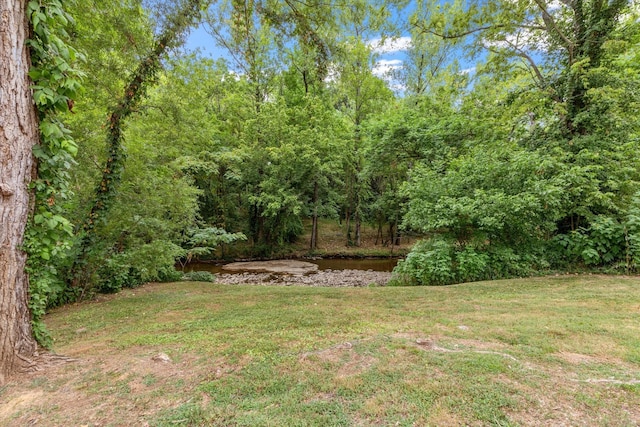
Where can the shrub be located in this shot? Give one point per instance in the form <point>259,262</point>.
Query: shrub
<point>428,263</point>
<point>146,263</point>
<point>440,262</point>
<point>169,274</point>
<point>471,265</point>
<point>116,274</point>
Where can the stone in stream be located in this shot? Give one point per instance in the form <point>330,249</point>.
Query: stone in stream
<point>284,266</point>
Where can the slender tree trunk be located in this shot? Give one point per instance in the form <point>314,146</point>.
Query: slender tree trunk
<point>392,233</point>
<point>379,233</point>
<point>358,227</point>
<point>348,204</point>
<point>356,211</point>
<point>18,135</point>
<point>398,236</point>
<point>347,221</point>
<point>357,185</point>
<point>314,220</point>
<point>314,231</point>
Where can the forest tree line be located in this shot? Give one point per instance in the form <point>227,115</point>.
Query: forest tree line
<point>527,163</point>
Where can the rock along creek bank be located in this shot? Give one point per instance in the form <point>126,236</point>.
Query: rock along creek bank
<point>321,278</point>
<point>302,273</point>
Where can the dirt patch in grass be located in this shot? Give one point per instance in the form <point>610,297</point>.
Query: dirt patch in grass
<point>356,364</point>
<point>15,404</point>
<point>565,402</point>
<point>576,358</point>
<point>442,343</point>
<point>332,354</point>
<point>348,361</point>
<point>112,388</point>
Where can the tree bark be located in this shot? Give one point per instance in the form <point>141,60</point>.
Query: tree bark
<point>347,220</point>
<point>379,233</point>
<point>356,210</point>
<point>18,135</point>
<point>358,226</point>
<point>314,220</point>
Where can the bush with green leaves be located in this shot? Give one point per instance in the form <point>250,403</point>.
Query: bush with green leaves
<point>145,263</point>
<point>201,242</point>
<point>609,241</point>
<point>429,263</point>
<point>438,261</point>
<point>117,274</point>
<point>500,194</point>
<point>489,215</point>
<point>599,244</point>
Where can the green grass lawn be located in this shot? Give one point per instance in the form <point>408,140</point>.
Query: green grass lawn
<point>543,351</point>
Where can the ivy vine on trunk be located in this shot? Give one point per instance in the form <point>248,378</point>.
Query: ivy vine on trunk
<point>55,84</point>
<point>37,81</point>
<point>144,76</point>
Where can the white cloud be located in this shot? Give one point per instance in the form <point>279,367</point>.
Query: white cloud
<point>332,74</point>
<point>385,66</point>
<point>468,71</point>
<point>236,75</point>
<point>554,5</point>
<point>390,45</point>
<point>397,87</point>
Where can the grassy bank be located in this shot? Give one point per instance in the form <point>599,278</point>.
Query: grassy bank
<point>544,351</point>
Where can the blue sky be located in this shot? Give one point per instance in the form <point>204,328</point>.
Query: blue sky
<point>199,39</point>
<point>390,54</point>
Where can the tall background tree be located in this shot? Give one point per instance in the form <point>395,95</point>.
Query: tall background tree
<point>558,68</point>
<point>176,24</point>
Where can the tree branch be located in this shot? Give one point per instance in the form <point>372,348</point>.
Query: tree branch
<point>459,35</point>
<point>524,55</point>
<point>552,27</point>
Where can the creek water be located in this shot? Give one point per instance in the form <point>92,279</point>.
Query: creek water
<point>374,264</point>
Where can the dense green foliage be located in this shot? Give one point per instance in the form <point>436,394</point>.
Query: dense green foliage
<point>156,257</point>
<point>529,162</point>
<point>55,84</point>
<point>556,190</point>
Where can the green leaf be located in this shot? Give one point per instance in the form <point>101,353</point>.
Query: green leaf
<point>44,254</point>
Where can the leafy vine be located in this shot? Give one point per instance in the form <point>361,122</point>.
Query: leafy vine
<point>55,84</point>
<point>142,78</point>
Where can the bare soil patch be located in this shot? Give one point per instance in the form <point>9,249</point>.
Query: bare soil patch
<point>113,388</point>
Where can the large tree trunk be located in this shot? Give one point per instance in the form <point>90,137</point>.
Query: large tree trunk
<point>18,134</point>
